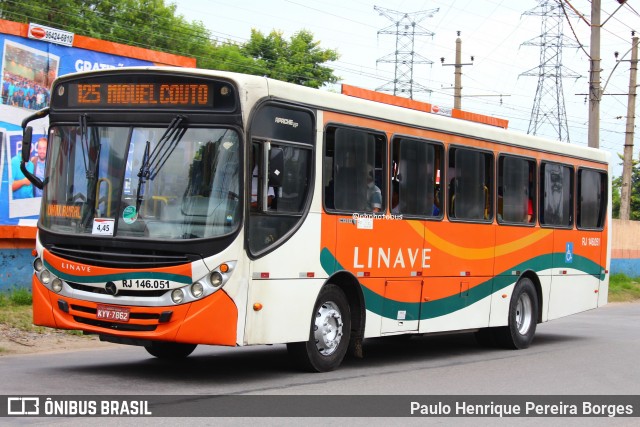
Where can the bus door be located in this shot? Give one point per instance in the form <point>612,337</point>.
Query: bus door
<point>370,242</point>
<point>280,230</point>
<point>459,281</point>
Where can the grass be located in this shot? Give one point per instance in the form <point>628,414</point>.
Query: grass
<point>622,288</point>
<point>16,311</point>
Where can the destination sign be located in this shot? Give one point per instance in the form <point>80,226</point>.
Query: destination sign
<point>152,91</point>
<point>141,94</point>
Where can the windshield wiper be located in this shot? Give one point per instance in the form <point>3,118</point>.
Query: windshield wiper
<point>152,162</point>
<point>91,170</point>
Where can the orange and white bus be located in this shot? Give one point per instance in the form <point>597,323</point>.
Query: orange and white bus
<point>185,207</point>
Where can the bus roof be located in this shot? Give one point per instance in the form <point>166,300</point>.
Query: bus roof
<point>257,87</point>
<point>385,98</point>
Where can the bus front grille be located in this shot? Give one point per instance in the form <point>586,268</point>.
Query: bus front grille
<point>120,257</point>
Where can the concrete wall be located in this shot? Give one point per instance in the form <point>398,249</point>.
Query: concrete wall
<point>625,248</point>
<point>16,258</point>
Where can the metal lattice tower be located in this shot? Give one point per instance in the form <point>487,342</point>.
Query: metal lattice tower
<point>405,27</point>
<point>548,107</point>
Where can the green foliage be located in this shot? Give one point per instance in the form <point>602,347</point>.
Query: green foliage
<point>623,288</point>
<point>152,24</point>
<point>634,209</point>
<point>16,297</point>
<point>21,296</point>
<point>297,61</point>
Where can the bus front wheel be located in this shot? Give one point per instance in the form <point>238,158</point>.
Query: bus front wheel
<point>329,335</point>
<point>170,350</point>
<point>523,316</point>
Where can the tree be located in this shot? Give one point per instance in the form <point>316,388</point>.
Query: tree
<point>154,25</point>
<point>634,207</point>
<point>298,61</point>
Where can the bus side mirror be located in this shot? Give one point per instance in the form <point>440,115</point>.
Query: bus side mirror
<point>26,143</point>
<point>276,167</point>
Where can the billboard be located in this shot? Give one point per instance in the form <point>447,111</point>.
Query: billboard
<point>29,65</point>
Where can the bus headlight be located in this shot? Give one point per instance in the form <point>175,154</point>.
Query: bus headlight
<point>197,290</point>
<point>38,264</point>
<point>177,296</point>
<point>56,285</point>
<point>45,276</point>
<point>216,279</point>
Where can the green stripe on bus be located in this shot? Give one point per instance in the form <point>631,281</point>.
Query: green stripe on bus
<point>388,308</point>
<point>119,276</point>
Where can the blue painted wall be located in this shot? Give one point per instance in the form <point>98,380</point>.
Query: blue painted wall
<point>16,268</point>
<point>630,266</point>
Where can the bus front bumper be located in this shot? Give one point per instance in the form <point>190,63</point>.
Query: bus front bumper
<point>211,320</point>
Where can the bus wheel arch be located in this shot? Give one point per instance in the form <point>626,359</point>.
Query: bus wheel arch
<point>531,275</point>
<point>352,289</point>
<point>336,326</point>
<point>522,317</point>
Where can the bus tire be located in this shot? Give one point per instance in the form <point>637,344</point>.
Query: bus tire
<point>523,317</point>
<point>170,350</point>
<point>330,333</point>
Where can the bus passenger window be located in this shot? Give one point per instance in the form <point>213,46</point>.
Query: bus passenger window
<point>516,190</point>
<point>470,188</point>
<point>354,166</point>
<point>591,199</point>
<point>556,208</point>
<point>416,176</point>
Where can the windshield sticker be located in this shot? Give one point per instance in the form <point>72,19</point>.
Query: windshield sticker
<point>103,226</point>
<point>63,211</point>
<point>130,214</point>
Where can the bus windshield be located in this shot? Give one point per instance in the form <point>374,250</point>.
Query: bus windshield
<point>146,182</point>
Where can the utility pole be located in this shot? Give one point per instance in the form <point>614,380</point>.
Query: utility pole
<point>595,93</point>
<point>457,94</point>
<point>627,164</point>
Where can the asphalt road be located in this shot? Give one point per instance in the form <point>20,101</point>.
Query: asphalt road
<point>592,353</point>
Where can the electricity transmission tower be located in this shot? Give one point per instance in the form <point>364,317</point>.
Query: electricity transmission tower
<point>548,106</point>
<point>405,27</point>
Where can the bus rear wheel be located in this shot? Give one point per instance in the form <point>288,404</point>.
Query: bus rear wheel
<point>330,333</point>
<point>523,316</point>
<point>170,350</point>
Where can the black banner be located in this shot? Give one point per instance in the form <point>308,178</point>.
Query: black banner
<point>319,406</point>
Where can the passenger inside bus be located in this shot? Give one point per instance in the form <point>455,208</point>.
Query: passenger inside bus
<point>395,197</point>
<point>374,195</point>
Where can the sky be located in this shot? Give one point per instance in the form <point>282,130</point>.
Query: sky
<point>495,32</point>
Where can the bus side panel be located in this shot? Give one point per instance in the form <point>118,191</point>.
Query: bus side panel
<point>469,316</point>
<point>381,249</point>
<point>605,262</point>
<point>520,249</point>
<point>575,274</point>
<point>605,249</point>
<point>286,283</point>
<point>452,303</point>
<point>458,288</point>
<point>286,313</point>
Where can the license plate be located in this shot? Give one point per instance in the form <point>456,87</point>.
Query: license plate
<point>110,312</point>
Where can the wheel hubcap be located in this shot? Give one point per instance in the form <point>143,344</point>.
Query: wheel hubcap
<point>328,328</point>
<point>524,313</point>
